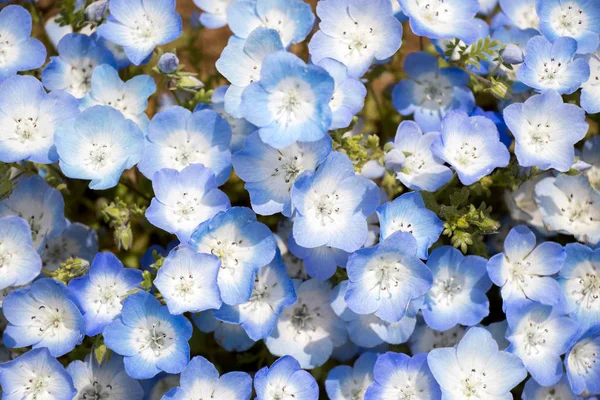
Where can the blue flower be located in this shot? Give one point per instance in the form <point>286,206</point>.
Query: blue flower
<point>38,204</point>
<point>273,290</point>
<point>471,145</point>
<point>270,173</point>
<point>71,70</point>
<point>458,292</point>
<point>21,262</point>
<point>177,138</point>
<point>44,314</point>
<point>168,63</point>
<point>476,367</point>
<point>243,245</point>
<point>290,102</point>
<point>130,98</point>
<point>141,25</point>
<point>591,155</point>
<point>583,363</point>
<point>442,19</point>
<point>545,130</point>
<point>292,19</point>
<point>99,293</point>
<point>215,12</point>
<point>552,66</point>
<point>590,90</point>
<point>185,199</point>
<point>37,375</point>
<point>30,117</point>
<point>308,330</point>
<point>408,213</point>
<point>539,335</point>
<point>521,14</point>
<point>345,381</point>
<point>578,19</point>
<point>150,339</point>
<point>412,160</point>
<point>20,52</point>
<point>320,262</point>
<point>397,375</point>
<point>285,379</point>
<point>99,145</point>
<point>231,337</point>
<point>241,63</point>
<point>76,241</point>
<point>426,339</point>
<point>333,205</point>
<point>355,33</point>
<point>200,379</point>
<point>561,390</point>
<point>579,279</point>
<point>386,277</point>
<point>107,379</point>
<point>487,7</point>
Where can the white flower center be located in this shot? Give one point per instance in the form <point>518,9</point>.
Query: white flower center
<point>187,207</point>
<point>433,93</point>
<point>445,339</point>
<point>292,101</point>
<point>98,156</point>
<point>406,390</point>
<point>569,20</point>
<point>386,271</point>
<point>413,163</point>
<point>534,337</point>
<point>26,129</point>
<point>588,291</point>
<point>475,384</point>
<point>584,356</point>
<point>326,208</point>
<point>96,391</point>
<point>527,17</point>
<point>187,153</point>
<point>288,168</point>
<point>37,386</point>
<point>80,76</point>
<point>357,38</point>
<point>432,10</point>
<point>540,136</point>
<point>145,28</point>
<point>578,209</point>
<point>443,291</point>
<point>47,320</point>
<point>279,391</point>
<point>466,154</point>
<point>551,71</point>
<point>154,338</point>
<point>226,251</point>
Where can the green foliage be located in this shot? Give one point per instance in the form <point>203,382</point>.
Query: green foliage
<point>69,15</point>
<point>118,215</point>
<point>485,49</point>
<point>70,269</point>
<point>359,148</point>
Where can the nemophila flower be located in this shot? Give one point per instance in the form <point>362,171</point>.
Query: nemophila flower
<point>458,292</point>
<point>561,390</point>
<point>486,7</point>
<point>546,130</point>
<point>426,339</point>
<point>579,279</point>
<point>471,145</point>
<point>184,199</point>
<point>273,290</point>
<point>578,19</point>
<point>539,335</point>
<point>200,379</point>
<point>215,12</point>
<point>105,380</point>
<point>413,162</point>
<point>98,146</point>
<point>270,173</point>
<point>44,314</point>
<point>36,375</point>
<point>243,245</point>
<point>551,66</point>
<point>130,98</point>
<point>96,11</point>
<point>149,337</point>
<point>241,63</point>
<point>333,205</point>
<point>308,330</point>
<point>29,117</point>
<point>18,51</point>
<point>569,205</point>
<point>39,205</point>
<point>188,281</point>
<point>231,337</point>
<point>76,241</point>
<point>431,92</point>
<point>71,70</point>
<point>345,382</point>
<point>157,388</point>
<point>408,213</point>
<point>521,13</point>
<point>591,155</point>
<point>386,277</point>
<point>290,102</point>
<point>319,262</point>
<point>100,291</point>
<point>476,368</point>
<point>590,89</point>
<point>524,270</point>
<point>438,19</point>
<point>292,19</point>
<point>285,379</point>
<point>20,262</point>
<point>177,138</point>
<point>583,363</point>
<point>522,206</point>
<point>397,375</point>
<point>140,26</point>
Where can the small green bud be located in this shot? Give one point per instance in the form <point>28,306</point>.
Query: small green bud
<point>124,237</point>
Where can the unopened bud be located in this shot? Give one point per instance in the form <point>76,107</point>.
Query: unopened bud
<point>168,63</point>
<point>96,11</point>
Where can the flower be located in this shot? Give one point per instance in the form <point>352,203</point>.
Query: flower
<point>215,12</point>
<point>590,92</point>
<point>185,199</point>
<point>521,14</point>
<point>591,155</point>
<point>168,63</point>
<point>545,130</point>
<point>100,291</point>
<point>76,241</point>
<point>426,339</point>
<point>355,33</point>
<point>149,337</point>
<point>319,262</point>
<point>140,26</point>
<point>344,382</point>
<point>20,262</point>
<point>285,379</point>
<point>231,337</point>
<point>99,145</point>
<point>471,145</point>
<point>44,314</point>
<point>562,390</point>
<point>582,363</point>
<point>431,92</point>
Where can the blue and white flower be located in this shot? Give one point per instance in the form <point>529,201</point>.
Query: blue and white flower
<point>591,155</point>
<point>561,390</point>
<point>345,382</point>
<point>590,90</point>
<point>285,379</point>
<point>521,13</point>
<point>20,262</point>
<point>583,363</point>
<point>231,337</point>
<point>426,339</point>
<point>76,241</point>
<point>319,262</point>
<point>215,12</point>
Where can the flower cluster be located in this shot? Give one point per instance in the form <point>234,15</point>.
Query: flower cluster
<point>300,199</point>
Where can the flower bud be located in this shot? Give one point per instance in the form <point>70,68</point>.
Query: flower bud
<point>168,63</point>
<point>96,11</point>
<point>512,54</point>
